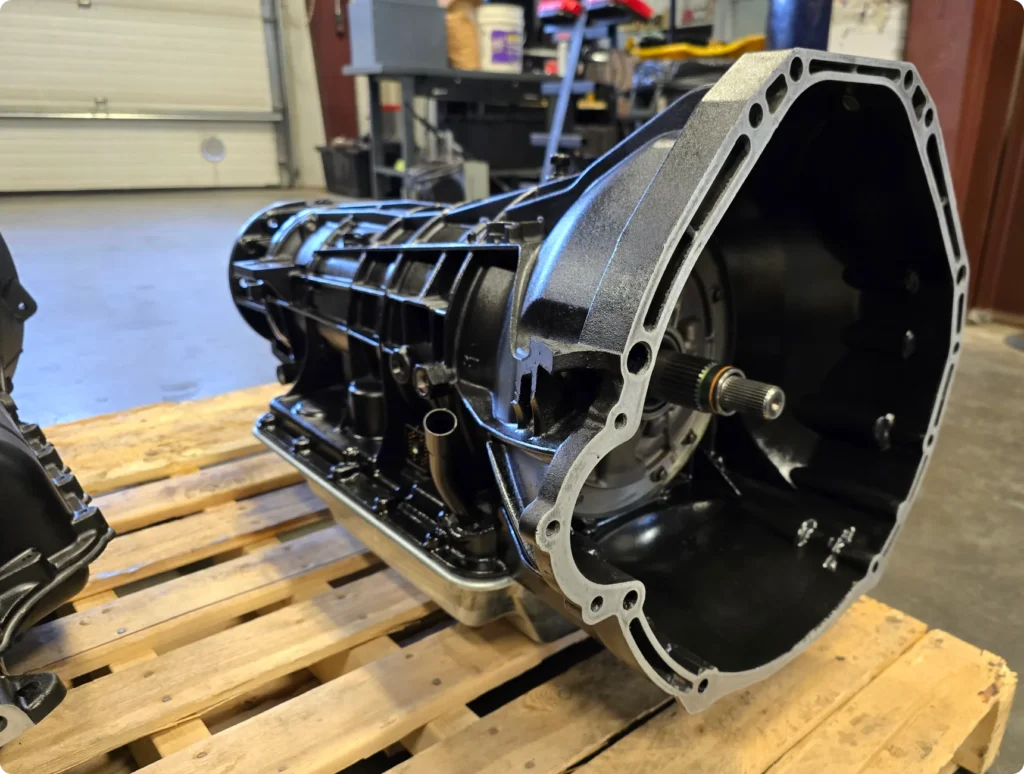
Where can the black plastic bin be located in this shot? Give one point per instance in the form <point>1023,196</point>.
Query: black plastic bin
<point>347,168</point>
<point>497,134</point>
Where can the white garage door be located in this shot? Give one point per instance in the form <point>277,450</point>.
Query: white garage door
<point>165,94</point>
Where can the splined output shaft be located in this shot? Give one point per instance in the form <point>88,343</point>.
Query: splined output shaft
<point>715,388</point>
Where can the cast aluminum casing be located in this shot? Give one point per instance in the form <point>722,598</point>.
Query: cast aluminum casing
<point>717,149</point>
<point>620,256</point>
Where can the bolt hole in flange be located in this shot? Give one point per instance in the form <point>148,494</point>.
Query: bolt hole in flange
<point>638,358</point>
<point>552,529</point>
<point>596,604</point>
<point>703,686</point>
<point>629,601</point>
<point>756,115</point>
<point>620,421</point>
<point>3,724</point>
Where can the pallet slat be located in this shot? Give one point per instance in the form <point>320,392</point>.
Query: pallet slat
<point>162,743</point>
<point>115,763</point>
<point>144,447</point>
<point>258,700</point>
<point>214,532</point>
<point>374,706</point>
<point>157,693</point>
<point>979,751</point>
<point>342,663</point>
<point>82,642</point>
<point>549,728</point>
<point>86,433</point>
<point>70,433</point>
<point>169,741</point>
<point>912,718</point>
<point>750,730</point>
<point>151,503</point>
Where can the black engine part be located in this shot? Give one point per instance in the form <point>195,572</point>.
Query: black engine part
<point>49,533</point>
<point>543,390</point>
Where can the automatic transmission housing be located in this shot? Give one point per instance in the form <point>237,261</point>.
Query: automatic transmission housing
<point>49,529</point>
<point>685,398</point>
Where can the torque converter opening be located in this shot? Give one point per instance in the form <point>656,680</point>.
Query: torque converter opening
<point>834,260</point>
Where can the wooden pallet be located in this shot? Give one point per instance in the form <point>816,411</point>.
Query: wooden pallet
<point>231,628</point>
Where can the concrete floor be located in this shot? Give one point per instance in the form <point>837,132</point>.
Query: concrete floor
<point>134,309</point>
<point>133,299</point>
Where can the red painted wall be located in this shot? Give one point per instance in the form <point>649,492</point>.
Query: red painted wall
<point>938,42</point>
<point>967,52</point>
<point>332,51</point>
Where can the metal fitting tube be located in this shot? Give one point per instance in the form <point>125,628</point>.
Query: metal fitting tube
<point>439,428</point>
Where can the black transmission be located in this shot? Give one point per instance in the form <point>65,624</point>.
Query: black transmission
<point>685,397</point>
<point>49,530</point>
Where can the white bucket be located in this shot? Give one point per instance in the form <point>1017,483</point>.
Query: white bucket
<point>501,37</point>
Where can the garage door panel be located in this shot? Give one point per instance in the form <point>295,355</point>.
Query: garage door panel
<point>39,155</point>
<point>139,56</point>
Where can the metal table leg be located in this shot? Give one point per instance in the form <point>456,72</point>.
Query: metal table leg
<point>408,87</point>
<point>376,136</point>
<point>565,94</point>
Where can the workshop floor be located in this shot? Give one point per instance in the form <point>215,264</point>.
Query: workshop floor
<point>134,309</point>
<point>133,299</point>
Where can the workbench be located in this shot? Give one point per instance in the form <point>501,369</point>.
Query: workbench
<point>442,84</point>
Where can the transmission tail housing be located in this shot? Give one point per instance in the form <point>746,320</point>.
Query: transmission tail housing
<point>684,398</point>
<point>49,529</point>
